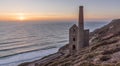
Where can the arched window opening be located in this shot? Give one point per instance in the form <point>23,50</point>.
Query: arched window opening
<point>74,39</point>
<point>73,47</point>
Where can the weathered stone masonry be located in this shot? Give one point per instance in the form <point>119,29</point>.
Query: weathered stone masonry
<point>78,37</point>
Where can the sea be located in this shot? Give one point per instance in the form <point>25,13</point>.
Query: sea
<point>28,41</point>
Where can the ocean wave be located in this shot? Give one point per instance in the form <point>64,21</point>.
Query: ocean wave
<point>63,41</point>
<point>10,42</point>
<point>16,38</point>
<point>18,42</point>
<point>26,57</point>
<point>30,50</point>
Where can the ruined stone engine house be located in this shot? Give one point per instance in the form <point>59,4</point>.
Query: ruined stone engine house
<point>78,37</point>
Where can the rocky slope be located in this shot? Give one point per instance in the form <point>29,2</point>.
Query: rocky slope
<point>104,50</point>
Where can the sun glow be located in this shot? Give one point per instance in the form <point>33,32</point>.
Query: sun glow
<point>21,16</point>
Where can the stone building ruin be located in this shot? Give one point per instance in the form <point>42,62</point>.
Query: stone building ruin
<point>78,37</point>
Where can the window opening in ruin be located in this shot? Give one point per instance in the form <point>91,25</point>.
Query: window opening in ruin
<point>73,47</point>
<point>74,39</point>
<point>73,30</point>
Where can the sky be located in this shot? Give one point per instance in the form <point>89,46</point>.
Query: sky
<point>58,9</point>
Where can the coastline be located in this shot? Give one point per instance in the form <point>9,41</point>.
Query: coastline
<point>96,53</point>
<point>26,57</point>
<point>59,42</point>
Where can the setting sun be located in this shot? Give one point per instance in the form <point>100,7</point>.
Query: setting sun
<point>21,16</point>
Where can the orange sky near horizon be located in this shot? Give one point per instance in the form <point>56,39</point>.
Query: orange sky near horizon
<point>39,10</point>
<point>32,17</point>
<point>40,17</point>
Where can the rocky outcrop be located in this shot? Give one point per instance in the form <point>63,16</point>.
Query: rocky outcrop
<point>106,32</point>
<point>104,50</point>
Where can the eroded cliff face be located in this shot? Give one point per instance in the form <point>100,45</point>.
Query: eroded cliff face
<point>106,32</point>
<point>104,50</point>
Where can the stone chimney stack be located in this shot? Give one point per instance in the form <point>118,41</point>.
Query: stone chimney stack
<point>81,29</point>
<point>81,18</point>
<point>78,37</point>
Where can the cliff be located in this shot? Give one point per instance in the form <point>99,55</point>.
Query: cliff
<point>104,50</point>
